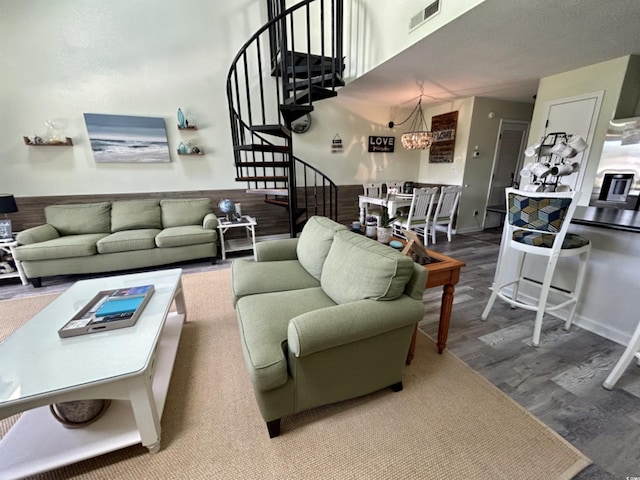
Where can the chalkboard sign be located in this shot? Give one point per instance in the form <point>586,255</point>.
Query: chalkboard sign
<point>382,144</point>
<point>5,228</point>
<point>443,128</point>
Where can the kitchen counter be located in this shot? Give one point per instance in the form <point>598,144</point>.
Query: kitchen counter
<point>611,218</point>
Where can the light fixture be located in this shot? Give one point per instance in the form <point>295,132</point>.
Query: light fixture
<point>418,137</point>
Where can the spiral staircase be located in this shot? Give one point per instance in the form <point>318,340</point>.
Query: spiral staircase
<point>292,61</point>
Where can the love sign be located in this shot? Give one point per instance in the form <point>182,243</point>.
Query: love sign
<point>381,144</point>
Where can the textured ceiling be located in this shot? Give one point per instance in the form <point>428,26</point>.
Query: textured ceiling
<point>502,48</point>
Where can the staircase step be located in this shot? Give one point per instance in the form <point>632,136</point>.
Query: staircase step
<point>317,64</point>
<point>283,192</point>
<point>269,178</point>
<point>256,147</point>
<point>317,93</point>
<point>294,111</point>
<point>263,164</point>
<point>273,129</point>
<point>280,203</point>
<point>329,80</point>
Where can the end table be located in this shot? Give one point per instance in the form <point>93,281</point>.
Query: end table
<point>233,245</point>
<point>6,246</point>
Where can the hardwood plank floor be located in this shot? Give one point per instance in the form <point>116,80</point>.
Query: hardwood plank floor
<point>560,382</point>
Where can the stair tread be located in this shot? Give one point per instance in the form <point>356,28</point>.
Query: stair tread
<point>257,147</point>
<point>264,164</point>
<point>329,80</point>
<point>272,129</point>
<point>269,191</point>
<point>264,178</point>
<point>304,96</point>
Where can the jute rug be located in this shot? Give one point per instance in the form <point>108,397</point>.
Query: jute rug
<point>448,422</point>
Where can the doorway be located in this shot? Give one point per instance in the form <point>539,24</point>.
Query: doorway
<point>507,163</point>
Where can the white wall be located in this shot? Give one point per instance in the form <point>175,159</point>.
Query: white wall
<point>376,31</point>
<point>605,76</point>
<point>62,59</point>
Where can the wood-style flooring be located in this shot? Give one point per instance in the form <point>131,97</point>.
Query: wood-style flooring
<point>560,382</point>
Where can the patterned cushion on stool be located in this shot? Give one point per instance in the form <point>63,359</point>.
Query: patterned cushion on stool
<point>537,239</point>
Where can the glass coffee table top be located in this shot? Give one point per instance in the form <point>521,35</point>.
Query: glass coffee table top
<point>35,361</point>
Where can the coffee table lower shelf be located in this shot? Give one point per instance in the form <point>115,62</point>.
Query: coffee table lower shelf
<point>38,443</point>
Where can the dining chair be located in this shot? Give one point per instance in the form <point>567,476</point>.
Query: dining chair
<point>419,213</point>
<point>537,224</point>
<point>373,190</point>
<point>393,187</point>
<point>445,212</point>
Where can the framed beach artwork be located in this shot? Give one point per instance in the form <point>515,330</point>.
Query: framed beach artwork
<point>125,138</point>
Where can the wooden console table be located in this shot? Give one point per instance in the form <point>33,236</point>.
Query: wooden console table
<point>445,272</point>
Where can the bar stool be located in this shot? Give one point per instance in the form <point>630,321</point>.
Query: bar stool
<point>537,224</point>
<point>629,354</point>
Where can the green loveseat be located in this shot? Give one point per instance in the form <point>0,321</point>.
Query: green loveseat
<point>112,236</point>
<point>324,317</point>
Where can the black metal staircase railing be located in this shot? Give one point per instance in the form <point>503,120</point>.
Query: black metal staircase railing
<point>290,62</point>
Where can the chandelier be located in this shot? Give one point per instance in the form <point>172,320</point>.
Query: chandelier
<point>418,137</point>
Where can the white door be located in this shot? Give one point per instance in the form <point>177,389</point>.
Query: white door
<point>506,165</point>
<point>575,116</point>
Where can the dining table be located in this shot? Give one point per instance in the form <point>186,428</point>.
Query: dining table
<point>391,202</point>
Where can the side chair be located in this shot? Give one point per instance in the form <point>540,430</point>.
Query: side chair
<point>445,212</point>
<point>537,225</point>
<point>419,213</point>
<point>373,190</point>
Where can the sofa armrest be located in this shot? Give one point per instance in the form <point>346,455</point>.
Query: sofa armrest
<point>331,327</point>
<point>38,234</point>
<point>276,250</point>
<point>210,221</point>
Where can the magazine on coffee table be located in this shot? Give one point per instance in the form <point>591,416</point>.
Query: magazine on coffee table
<point>109,310</point>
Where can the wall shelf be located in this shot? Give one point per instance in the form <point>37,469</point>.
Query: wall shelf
<point>199,153</point>
<point>67,143</point>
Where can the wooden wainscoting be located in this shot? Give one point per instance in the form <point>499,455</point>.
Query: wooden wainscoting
<point>272,220</point>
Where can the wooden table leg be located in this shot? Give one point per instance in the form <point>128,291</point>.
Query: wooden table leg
<point>445,316</point>
<point>412,346</point>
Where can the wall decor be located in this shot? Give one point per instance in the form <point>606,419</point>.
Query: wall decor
<point>382,144</point>
<point>124,138</point>
<point>443,128</point>
<point>336,144</point>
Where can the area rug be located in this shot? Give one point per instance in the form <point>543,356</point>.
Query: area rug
<point>448,422</point>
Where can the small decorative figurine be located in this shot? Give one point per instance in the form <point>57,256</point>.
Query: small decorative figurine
<point>181,119</point>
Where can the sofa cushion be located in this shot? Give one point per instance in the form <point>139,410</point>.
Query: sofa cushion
<point>126,241</point>
<point>359,268</point>
<point>263,320</point>
<point>77,219</point>
<point>63,247</point>
<point>251,277</point>
<point>135,214</point>
<point>187,235</point>
<point>184,211</point>
<point>315,242</point>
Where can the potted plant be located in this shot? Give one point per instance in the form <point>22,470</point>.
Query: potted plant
<point>385,229</point>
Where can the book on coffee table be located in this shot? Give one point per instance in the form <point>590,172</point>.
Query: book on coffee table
<point>109,310</point>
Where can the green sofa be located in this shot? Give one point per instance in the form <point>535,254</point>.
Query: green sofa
<point>121,235</point>
<point>324,317</point>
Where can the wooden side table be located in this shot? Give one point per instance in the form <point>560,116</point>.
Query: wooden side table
<point>443,271</point>
<point>6,246</point>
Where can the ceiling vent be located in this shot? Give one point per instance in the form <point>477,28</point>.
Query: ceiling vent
<point>424,14</point>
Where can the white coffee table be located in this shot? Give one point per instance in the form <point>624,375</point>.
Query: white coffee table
<point>132,366</point>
